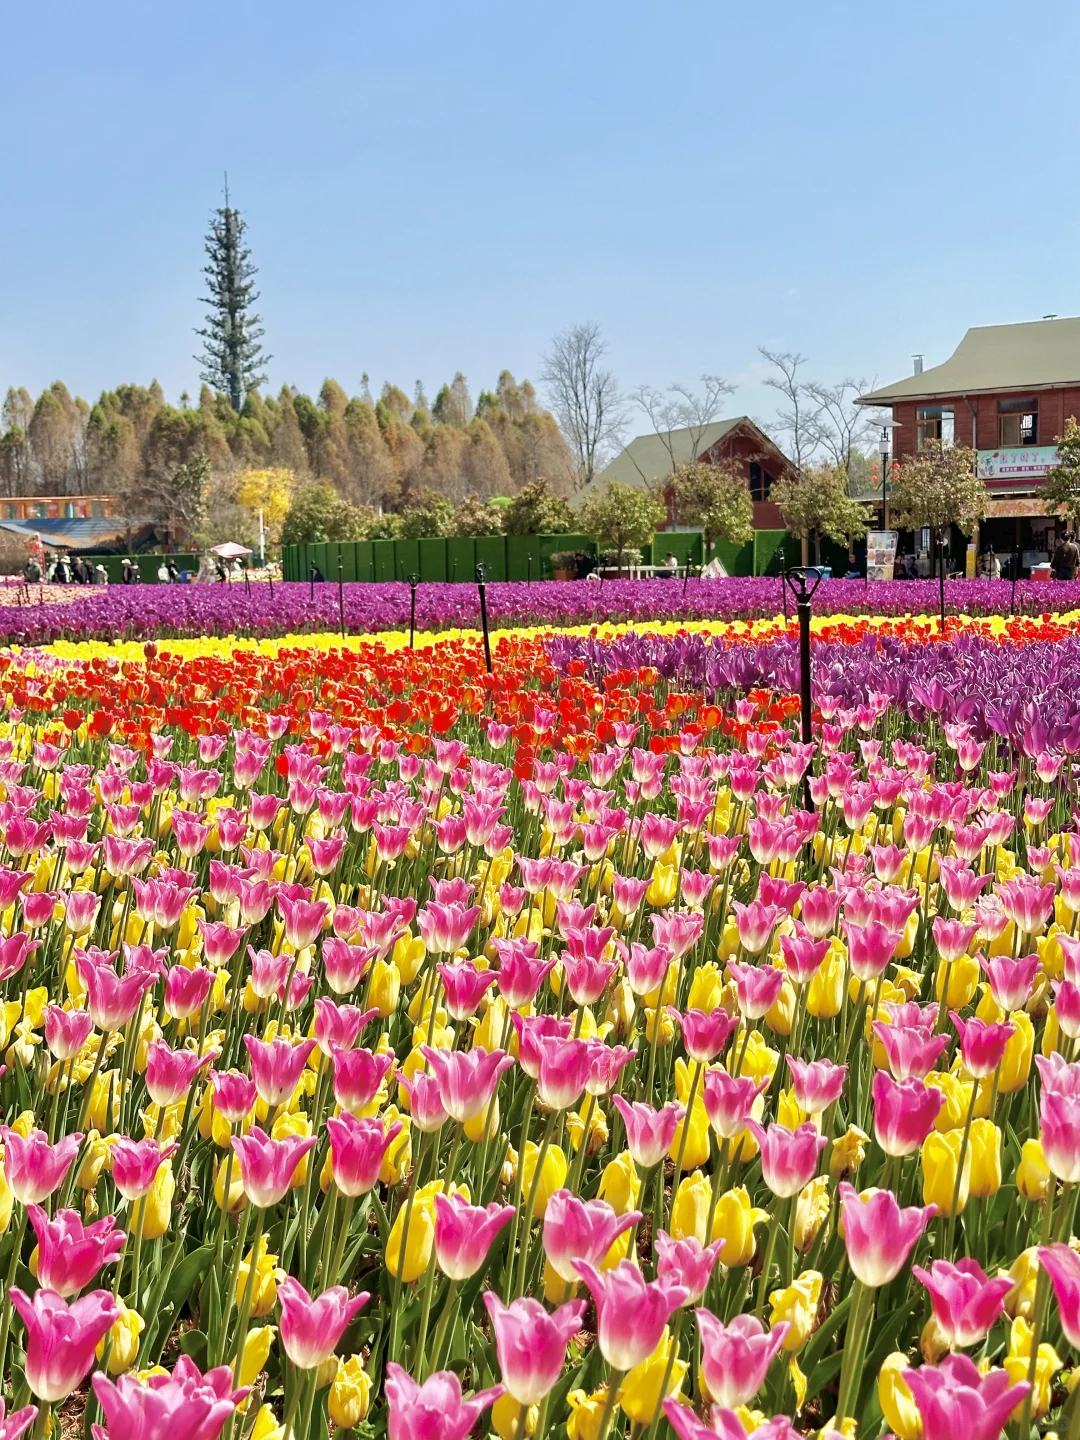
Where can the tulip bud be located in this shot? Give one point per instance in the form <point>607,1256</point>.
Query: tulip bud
<point>122,1340</point>
<point>734,1223</point>
<point>1033,1173</point>
<point>798,1306</point>
<point>984,1145</point>
<point>895,1399</point>
<point>350,1394</point>
<point>940,1155</point>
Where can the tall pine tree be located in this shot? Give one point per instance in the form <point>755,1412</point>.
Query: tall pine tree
<point>232,355</point>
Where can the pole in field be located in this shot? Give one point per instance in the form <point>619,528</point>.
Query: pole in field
<point>783,584</point>
<point>341,595</point>
<point>528,567</point>
<point>804,581</point>
<point>414,580</point>
<point>481,585</point>
<point>313,582</point>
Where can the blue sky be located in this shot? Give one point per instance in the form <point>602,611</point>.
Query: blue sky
<point>434,187</point>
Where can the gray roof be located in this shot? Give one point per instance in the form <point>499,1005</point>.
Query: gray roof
<point>1030,356</point>
<point>649,457</point>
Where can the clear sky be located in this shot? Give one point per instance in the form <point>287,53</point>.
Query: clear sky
<point>433,187</point>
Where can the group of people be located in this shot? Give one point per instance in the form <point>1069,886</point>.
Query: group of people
<point>63,570</point>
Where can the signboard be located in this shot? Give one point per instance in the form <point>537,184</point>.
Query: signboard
<point>1014,507</point>
<point>1005,467</point>
<point>880,554</point>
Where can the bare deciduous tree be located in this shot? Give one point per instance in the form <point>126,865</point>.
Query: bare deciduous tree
<point>680,408</point>
<point>584,395</point>
<point>792,422</point>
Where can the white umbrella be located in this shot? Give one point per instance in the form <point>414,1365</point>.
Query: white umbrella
<point>230,550</point>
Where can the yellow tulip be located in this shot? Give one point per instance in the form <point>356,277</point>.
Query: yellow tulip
<point>1017,1362</point>
<point>552,1176</point>
<point>421,1237</point>
<point>1033,1173</point>
<point>895,1399</point>
<point>662,886</point>
<point>690,1211</point>
<point>350,1394</point>
<point>811,1212</point>
<point>759,1061</point>
<point>385,989</point>
<point>825,993</point>
<point>7,1201</point>
<point>266,1426</point>
<point>848,1153</point>
<point>933,1342</point>
<point>1016,1061</point>
<point>640,1394</point>
<point>264,1293</point>
<point>620,1184</point>
<point>781,1013</point>
<point>397,1162</point>
<point>963,978</point>
<point>237,1198</point>
<point>122,1340</point>
<point>706,987</point>
<point>697,1148</point>
<point>95,1158</point>
<point>155,1212</point>
<point>734,1223</point>
<point>666,1033</point>
<point>506,1419</point>
<point>598,1126</point>
<point>256,1353</point>
<point>286,1125</point>
<point>984,1146</point>
<point>798,1305</point>
<point>788,1110</point>
<point>940,1157</point>
<point>586,1412</point>
<point>953,1113</point>
<point>1024,1273</point>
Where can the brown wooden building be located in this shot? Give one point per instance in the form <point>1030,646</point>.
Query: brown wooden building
<point>1005,392</point>
<point>648,459</point>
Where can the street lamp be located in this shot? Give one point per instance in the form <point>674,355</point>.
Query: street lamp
<point>884,448</point>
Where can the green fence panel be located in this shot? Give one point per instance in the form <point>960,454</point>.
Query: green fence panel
<point>688,547</point>
<point>406,558</point>
<point>347,553</point>
<point>736,559</point>
<point>461,559</point>
<point>523,557</point>
<point>552,544</point>
<point>384,556</point>
<point>365,560</point>
<point>491,553</point>
<point>433,559</point>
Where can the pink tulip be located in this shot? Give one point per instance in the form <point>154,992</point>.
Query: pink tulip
<point>80,910</point>
<point>803,956</point>
<point>276,1066</point>
<point>520,973</point>
<point>1067,1007</point>
<point>952,938</point>
<point>755,923</point>
<point>434,1410</point>
<point>1062,1264</point>
<point>1060,1133</point>
<point>112,999</point>
<point>170,1074</point>
<point>303,920</point>
<point>531,1029</point>
<point>757,988</point>
<point>14,1425</point>
<point>464,986</point>
<point>186,990</point>
<point>338,1027</point>
<point>687,1262</point>
<point>135,1164</point>
<point>818,910</point>
<point>982,1045</point>
<point>66,1031</point>
<point>444,928</point>
<point>788,1157</point>
<point>467,1078</point>
<point>565,1066</point>
<point>185,1403</point>
<point>911,1051</point>
<point>464,1234</point>
<point>357,1149</point>
<point>531,1343</point>
<point>954,1400</point>
<point>267,1166</point>
<point>870,948</point>
<point>33,1167</point>
<point>1026,902</point>
<point>269,973</point>
<point>425,1103</point>
<point>61,1338</point>
<point>311,1329</point>
<point>735,1358</point>
<point>645,968</point>
<point>649,1132</point>
<point>1011,980</point>
<point>704,1035</point>
<point>723,1424</point>
<point>631,1312</point>
<point>220,942</point>
<point>581,1230</point>
<point>878,1234</point>
<point>358,1074</point>
<point>966,1303</point>
<point>904,1113</point>
<point>70,1254</point>
<point>817,1083</point>
<point>234,1095</point>
<point>728,1101</point>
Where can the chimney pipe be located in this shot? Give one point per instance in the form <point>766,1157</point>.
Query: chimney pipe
<point>918,364</point>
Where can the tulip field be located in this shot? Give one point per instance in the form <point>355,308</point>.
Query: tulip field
<point>395,1046</point>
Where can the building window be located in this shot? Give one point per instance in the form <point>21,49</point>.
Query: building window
<point>933,422</point>
<point>96,508</point>
<point>755,481</point>
<point>1018,422</point>
<point>12,511</point>
<point>69,510</point>
<point>769,482</point>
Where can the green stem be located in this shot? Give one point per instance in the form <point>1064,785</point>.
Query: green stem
<point>854,1346</point>
<point>615,1379</point>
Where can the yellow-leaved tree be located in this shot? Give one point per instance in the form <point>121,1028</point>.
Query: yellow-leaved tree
<point>271,492</point>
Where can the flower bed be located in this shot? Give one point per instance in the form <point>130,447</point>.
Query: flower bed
<point>150,611</point>
<point>399,1047</point>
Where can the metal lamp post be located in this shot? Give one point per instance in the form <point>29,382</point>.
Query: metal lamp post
<point>804,580</point>
<point>884,452</point>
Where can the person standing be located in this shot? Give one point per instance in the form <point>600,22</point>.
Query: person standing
<point>1066,558</point>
